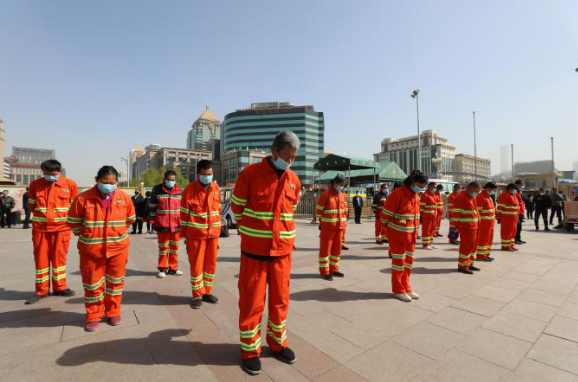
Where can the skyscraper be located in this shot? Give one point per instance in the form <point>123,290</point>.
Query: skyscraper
<point>505,165</point>
<point>203,130</point>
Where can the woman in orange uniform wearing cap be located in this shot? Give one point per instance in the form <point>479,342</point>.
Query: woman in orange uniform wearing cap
<point>100,217</point>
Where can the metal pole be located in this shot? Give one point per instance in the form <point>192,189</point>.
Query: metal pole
<point>475,151</point>
<point>513,174</point>
<point>418,134</point>
<point>553,167</point>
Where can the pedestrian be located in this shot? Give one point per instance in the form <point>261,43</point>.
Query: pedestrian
<point>357,206</point>
<point>100,217</point>
<point>201,226</point>
<point>165,209</point>
<point>26,208</point>
<point>543,203</point>
<point>453,234</point>
<point>487,211</point>
<point>264,200</point>
<point>50,198</point>
<point>529,204</point>
<point>558,200</point>
<point>522,210</point>
<point>147,212</point>
<point>507,215</point>
<point>467,222</point>
<point>138,202</point>
<point>332,207</point>
<point>440,209</point>
<point>401,214</point>
<point>376,207</point>
<point>6,205</point>
<point>429,211</point>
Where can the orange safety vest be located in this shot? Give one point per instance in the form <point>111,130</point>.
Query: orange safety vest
<point>508,207</point>
<point>451,205</point>
<point>332,208</point>
<point>402,211</point>
<point>101,232</point>
<point>428,204</point>
<point>486,207</point>
<point>201,211</point>
<point>50,202</point>
<point>264,205</point>
<point>440,203</point>
<point>466,215</point>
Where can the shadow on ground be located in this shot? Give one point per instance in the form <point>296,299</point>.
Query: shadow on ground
<point>337,295</point>
<point>426,271</point>
<point>40,318</point>
<point>144,298</point>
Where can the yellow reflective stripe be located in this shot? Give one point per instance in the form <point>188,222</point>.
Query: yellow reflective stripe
<point>101,240</point>
<point>250,333</point>
<point>256,232</point>
<point>238,201</point>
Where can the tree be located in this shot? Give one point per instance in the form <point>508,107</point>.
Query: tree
<point>154,176</point>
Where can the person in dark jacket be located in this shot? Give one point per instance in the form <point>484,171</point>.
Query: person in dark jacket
<point>147,212</point>
<point>357,206</point>
<point>542,203</point>
<point>138,203</point>
<point>529,203</point>
<point>558,200</point>
<point>26,209</point>
<point>6,205</point>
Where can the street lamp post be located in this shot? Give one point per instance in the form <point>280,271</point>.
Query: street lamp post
<point>415,95</point>
<point>553,167</point>
<point>127,171</point>
<point>475,151</point>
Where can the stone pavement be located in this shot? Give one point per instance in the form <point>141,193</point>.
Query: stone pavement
<point>516,320</point>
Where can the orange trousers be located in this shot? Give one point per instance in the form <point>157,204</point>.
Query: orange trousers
<point>378,228</point>
<point>428,222</point>
<point>254,276</point>
<point>438,223</point>
<point>203,259</point>
<point>330,249</point>
<point>168,250</point>
<point>50,248</point>
<point>485,239</point>
<point>401,251</point>
<point>103,281</point>
<point>468,246</point>
<point>508,232</point>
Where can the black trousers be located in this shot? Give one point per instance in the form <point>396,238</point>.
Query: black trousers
<point>544,214</point>
<point>5,218</point>
<point>519,228</point>
<point>529,213</point>
<point>26,218</point>
<point>556,211</point>
<point>358,215</point>
<point>137,224</point>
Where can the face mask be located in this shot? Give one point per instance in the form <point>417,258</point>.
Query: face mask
<point>434,191</point>
<point>338,188</point>
<point>205,179</point>
<point>522,187</point>
<point>51,178</point>
<point>514,191</point>
<point>492,193</point>
<point>281,164</point>
<point>474,194</point>
<point>416,189</point>
<point>106,188</point>
<point>170,183</point>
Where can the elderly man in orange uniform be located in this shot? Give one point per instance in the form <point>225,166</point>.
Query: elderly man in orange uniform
<point>264,200</point>
<point>429,210</point>
<point>487,211</point>
<point>201,226</point>
<point>467,222</point>
<point>49,200</point>
<point>507,216</point>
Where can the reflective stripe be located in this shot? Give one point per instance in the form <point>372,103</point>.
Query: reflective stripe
<point>59,269</point>
<point>194,225</point>
<point>174,242</point>
<point>101,240</point>
<point>58,220</point>
<point>250,333</point>
<point>238,201</point>
<point>279,340</point>
<point>38,219</point>
<point>90,300</point>
<point>258,215</point>
<point>59,277</point>
<point>72,220</point>
<point>42,279</point>
<point>41,271</point>
<point>256,232</point>
<point>114,280</point>
<point>251,347</point>
<point>277,328</point>
<point>132,217</point>
<point>32,201</point>
<point>61,209</point>
<point>402,228</point>
<point>287,234</point>
<point>162,212</point>
<point>93,286</point>
<point>164,245</point>
<point>114,292</point>
<point>398,256</point>
<point>41,209</point>
<point>102,223</point>
<point>398,268</point>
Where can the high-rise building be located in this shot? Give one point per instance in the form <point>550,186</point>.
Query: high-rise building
<point>437,156</point>
<point>467,166</point>
<point>2,146</point>
<point>203,130</point>
<point>254,129</point>
<point>575,168</point>
<point>235,161</point>
<point>32,155</point>
<point>143,162</point>
<point>133,155</point>
<point>505,165</point>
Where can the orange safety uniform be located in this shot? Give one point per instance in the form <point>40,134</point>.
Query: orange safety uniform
<point>487,211</point>
<point>507,213</point>
<point>49,203</point>
<point>103,246</point>
<point>264,200</point>
<point>440,212</point>
<point>452,211</point>
<point>332,207</point>
<point>376,206</point>
<point>165,208</point>
<point>401,215</point>
<point>467,220</point>
<point>429,209</point>
<point>201,226</point>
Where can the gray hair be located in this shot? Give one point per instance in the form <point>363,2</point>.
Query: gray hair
<point>286,138</point>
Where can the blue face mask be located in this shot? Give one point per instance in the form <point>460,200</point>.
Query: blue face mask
<point>205,179</point>
<point>492,193</point>
<point>514,191</point>
<point>170,183</point>
<point>338,188</point>
<point>106,188</point>
<point>434,191</point>
<point>416,189</point>
<point>51,178</point>
<point>281,164</point>
<point>474,194</point>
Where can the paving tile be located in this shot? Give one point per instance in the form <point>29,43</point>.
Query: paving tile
<point>433,302</point>
<point>531,309</point>
<point>453,291</point>
<point>457,320</point>
<point>556,352</point>
<point>479,305</point>
<point>315,362</point>
<point>340,374</point>
<point>563,327</point>
<point>498,294</point>
<point>532,371</point>
<point>429,340</point>
<point>543,297</point>
<point>521,276</point>
<point>569,310</point>
<point>523,328</point>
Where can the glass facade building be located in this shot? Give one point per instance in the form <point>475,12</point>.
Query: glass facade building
<point>256,127</point>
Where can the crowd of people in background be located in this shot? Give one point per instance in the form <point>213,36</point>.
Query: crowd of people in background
<point>545,203</point>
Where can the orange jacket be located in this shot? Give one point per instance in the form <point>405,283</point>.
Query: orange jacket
<point>264,205</point>
<point>508,207</point>
<point>440,205</point>
<point>451,205</point>
<point>486,207</point>
<point>428,204</point>
<point>332,209</point>
<point>466,215</point>
<point>521,203</point>
<point>102,233</point>
<point>50,202</point>
<point>201,211</point>
<point>402,211</point>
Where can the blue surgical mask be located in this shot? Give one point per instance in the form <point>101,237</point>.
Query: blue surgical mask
<point>51,178</point>
<point>416,189</point>
<point>281,164</point>
<point>338,188</point>
<point>514,191</point>
<point>205,179</point>
<point>106,188</point>
<point>473,194</point>
<point>492,193</point>
<point>434,191</point>
<point>170,183</point>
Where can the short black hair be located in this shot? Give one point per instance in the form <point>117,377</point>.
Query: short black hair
<point>474,185</point>
<point>148,193</point>
<point>510,186</point>
<point>339,178</point>
<point>204,164</point>
<point>415,176</point>
<point>431,184</point>
<point>457,185</point>
<point>491,185</point>
<point>51,165</point>
<point>519,181</point>
<point>107,170</point>
<point>169,173</point>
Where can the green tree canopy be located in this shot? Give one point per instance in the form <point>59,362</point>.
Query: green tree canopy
<point>154,176</point>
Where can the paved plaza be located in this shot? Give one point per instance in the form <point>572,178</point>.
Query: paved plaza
<point>516,320</point>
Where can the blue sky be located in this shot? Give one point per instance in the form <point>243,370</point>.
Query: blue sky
<point>92,79</point>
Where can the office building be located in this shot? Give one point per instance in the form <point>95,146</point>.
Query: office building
<point>254,128</point>
<point>133,156</point>
<point>232,163</point>
<point>2,151</point>
<point>32,155</point>
<point>143,162</point>
<point>467,166</point>
<point>203,130</point>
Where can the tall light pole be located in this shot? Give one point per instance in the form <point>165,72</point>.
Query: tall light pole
<point>513,175</point>
<point>475,151</point>
<point>415,95</point>
<point>127,171</point>
<point>553,167</point>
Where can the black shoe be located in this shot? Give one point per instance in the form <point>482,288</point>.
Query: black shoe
<point>197,303</point>
<point>252,366</point>
<point>537,228</point>
<point>327,277</point>
<point>337,274</point>
<point>466,271</point>
<point>490,258</point>
<point>133,233</point>
<point>518,242</point>
<point>385,241</point>
<point>286,355</point>
<point>475,269</point>
<point>439,235</point>
<point>64,293</point>
<point>140,233</point>
<point>344,248</point>
<point>546,229</point>
<point>210,299</point>
<point>35,298</point>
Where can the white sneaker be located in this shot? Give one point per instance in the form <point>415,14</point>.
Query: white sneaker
<point>413,295</point>
<point>434,247</point>
<point>161,275</point>
<point>428,248</point>
<point>178,272</point>
<point>402,297</point>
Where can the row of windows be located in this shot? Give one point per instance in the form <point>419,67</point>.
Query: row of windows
<point>274,117</point>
